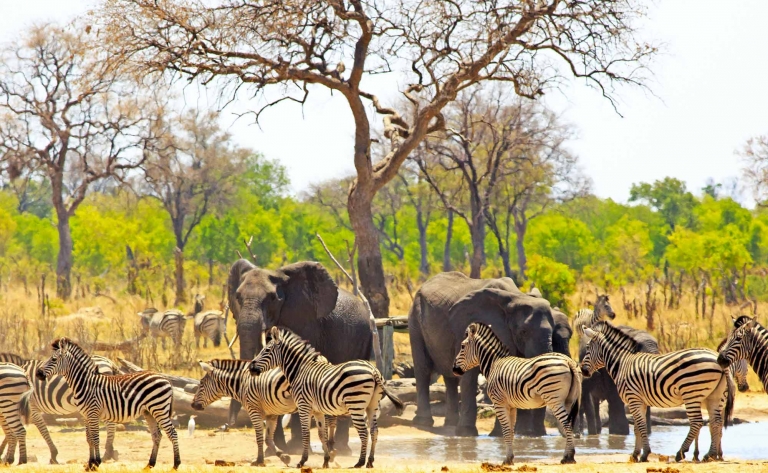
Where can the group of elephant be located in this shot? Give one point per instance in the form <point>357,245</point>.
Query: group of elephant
<point>304,298</point>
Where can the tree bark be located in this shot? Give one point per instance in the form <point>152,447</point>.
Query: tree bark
<point>477,232</point>
<point>369,263</point>
<point>423,247</point>
<point>179,257</point>
<point>64,258</point>
<point>522,258</point>
<point>448,238</point>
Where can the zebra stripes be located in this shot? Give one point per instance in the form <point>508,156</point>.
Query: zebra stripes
<point>739,369</point>
<point>120,398</point>
<point>322,389</point>
<point>552,380</point>
<point>265,397</point>
<point>689,377</point>
<point>168,324</point>
<point>589,317</point>
<point>209,324</point>
<point>749,341</point>
<point>13,385</point>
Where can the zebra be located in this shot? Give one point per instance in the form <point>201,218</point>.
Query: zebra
<point>689,377</point>
<point>208,323</point>
<point>323,389</point>
<point>589,317</point>
<point>739,369</point>
<point>53,396</point>
<point>119,398</point>
<point>748,341</point>
<point>168,324</point>
<point>13,385</point>
<point>265,397</point>
<point>552,380</point>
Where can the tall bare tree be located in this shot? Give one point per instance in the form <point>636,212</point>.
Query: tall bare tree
<point>288,49</point>
<point>539,172</point>
<point>190,169</point>
<point>755,157</point>
<point>66,116</point>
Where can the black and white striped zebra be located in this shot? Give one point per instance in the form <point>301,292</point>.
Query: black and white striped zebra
<point>162,325</point>
<point>53,396</point>
<point>119,398</point>
<point>748,341</point>
<point>589,317</point>
<point>265,397</point>
<point>552,380</point>
<point>691,377</point>
<point>739,369</point>
<point>323,389</point>
<point>13,385</point>
<point>209,324</point>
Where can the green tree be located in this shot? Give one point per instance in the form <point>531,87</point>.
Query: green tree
<point>670,198</point>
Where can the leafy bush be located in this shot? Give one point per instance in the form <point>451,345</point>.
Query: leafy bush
<point>556,281</point>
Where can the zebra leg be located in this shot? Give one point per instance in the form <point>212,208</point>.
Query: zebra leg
<point>451,400</point>
<point>715,411</point>
<point>271,422</point>
<point>305,415</point>
<point>205,341</point>
<point>358,420</point>
<point>164,419</point>
<point>693,410</point>
<point>331,421</point>
<point>10,439</point>
<point>507,417</point>
<point>637,408</point>
<point>558,409</point>
<point>13,418</point>
<point>37,419</point>
<point>109,448</point>
<point>92,434</point>
<point>258,425</point>
<point>696,450</point>
<point>372,414</point>
<point>154,431</point>
<point>322,432</point>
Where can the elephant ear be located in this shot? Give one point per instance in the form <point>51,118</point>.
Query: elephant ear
<point>236,272</point>
<point>309,288</point>
<point>488,306</point>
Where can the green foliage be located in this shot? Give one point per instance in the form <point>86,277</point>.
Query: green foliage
<point>556,281</point>
<point>565,240</point>
<point>669,198</point>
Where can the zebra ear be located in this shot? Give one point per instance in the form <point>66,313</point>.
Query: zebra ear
<point>275,334</point>
<point>205,366</point>
<point>588,332</point>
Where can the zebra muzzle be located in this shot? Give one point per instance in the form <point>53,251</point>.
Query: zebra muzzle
<point>723,361</point>
<point>585,372</point>
<point>197,406</point>
<point>40,375</point>
<point>253,369</point>
<point>458,371</point>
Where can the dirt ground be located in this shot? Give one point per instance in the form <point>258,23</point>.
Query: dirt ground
<point>238,446</point>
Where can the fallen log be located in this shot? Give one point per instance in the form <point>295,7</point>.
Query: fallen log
<point>124,346</point>
<point>176,381</point>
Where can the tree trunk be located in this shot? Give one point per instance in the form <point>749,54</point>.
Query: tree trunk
<point>423,247</point>
<point>64,259</point>
<point>504,253</point>
<point>179,256</point>
<point>522,258</point>
<point>477,232</point>
<point>210,272</point>
<point>448,238</point>
<point>369,264</point>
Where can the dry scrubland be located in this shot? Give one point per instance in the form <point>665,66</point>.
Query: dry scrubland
<point>29,332</point>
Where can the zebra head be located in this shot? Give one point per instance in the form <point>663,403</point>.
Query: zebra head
<point>593,358</point>
<point>60,359</point>
<point>603,308</point>
<point>468,356</point>
<point>271,355</point>
<point>738,346</point>
<point>213,385</point>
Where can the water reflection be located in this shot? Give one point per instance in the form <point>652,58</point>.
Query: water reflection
<point>744,441</point>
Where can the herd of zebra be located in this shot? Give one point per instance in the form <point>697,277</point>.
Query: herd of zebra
<point>289,375</point>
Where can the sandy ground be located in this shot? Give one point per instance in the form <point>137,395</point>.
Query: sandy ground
<point>238,446</point>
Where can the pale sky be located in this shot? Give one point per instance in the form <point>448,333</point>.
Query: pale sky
<point>710,88</point>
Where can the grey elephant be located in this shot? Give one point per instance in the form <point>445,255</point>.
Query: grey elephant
<point>600,387</point>
<point>301,297</point>
<point>442,309</point>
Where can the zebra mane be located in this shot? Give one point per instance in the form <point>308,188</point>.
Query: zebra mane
<point>76,350</point>
<point>741,320</point>
<point>287,336</point>
<point>485,332</point>
<point>617,337</point>
<point>227,364</point>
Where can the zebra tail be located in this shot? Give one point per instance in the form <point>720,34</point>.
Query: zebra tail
<point>574,393</point>
<point>399,406</point>
<point>24,408</point>
<point>729,401</point>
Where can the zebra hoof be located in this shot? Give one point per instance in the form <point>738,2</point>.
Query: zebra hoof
<point>369,464</point>
<point>679,456</point>
<point>567,460</point>
<point>709,458</point>
<point>359,464</point>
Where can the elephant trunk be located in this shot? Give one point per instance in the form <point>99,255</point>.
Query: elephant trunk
<point>250,326</point>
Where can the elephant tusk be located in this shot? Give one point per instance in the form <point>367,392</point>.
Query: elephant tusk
<point>233,340</point>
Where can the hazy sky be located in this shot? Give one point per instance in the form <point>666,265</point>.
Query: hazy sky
<point>710,87</point>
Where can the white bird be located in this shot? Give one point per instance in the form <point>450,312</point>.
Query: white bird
<point>191,426</point>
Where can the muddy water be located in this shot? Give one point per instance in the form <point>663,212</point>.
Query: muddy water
<point>744,441</point>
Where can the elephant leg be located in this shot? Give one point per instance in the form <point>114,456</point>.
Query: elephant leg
<point>295,445</point>
<point>497,429</point>
<point>452,401</point>
<point>587,411</point>
<point>531,422</point>
<point>596,419</point>
<point>468,411</point>
<point>341,438</point>
<point>423,367</point>
<point>617,423</point>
